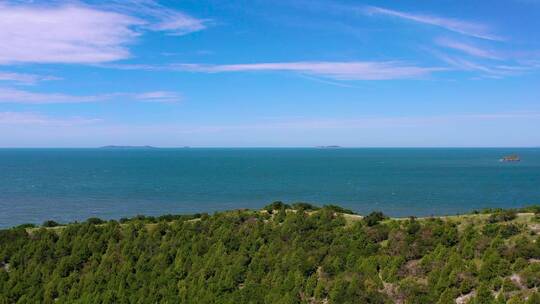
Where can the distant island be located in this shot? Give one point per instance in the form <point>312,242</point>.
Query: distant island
<point>328,147</point>
<point>128,147</point>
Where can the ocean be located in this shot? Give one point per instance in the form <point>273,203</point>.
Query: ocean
<point>68,185</point>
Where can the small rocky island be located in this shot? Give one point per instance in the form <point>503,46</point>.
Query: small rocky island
<point>510,158</point>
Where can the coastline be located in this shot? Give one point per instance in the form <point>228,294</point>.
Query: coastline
<point>523,215</point>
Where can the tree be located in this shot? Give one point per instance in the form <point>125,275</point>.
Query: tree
<point>374,218</point>
<point>483,295</point>
<point>95,221</point>
<point>248,256</point>
<point>502,216</point>
<point>50,223</point>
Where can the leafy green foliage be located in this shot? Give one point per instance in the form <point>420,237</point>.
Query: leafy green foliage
<point>28,225</point>
<point>50,224</point>
<point>502,216</point>
<point>304,207</point>
<point>95,221</point>
<point>282,256</point>
<point>338,209</point>
<point>374,218</point>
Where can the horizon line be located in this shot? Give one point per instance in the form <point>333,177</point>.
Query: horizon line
<point>328,147</point>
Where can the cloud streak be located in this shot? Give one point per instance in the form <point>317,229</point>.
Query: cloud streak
<point>9,95</point>
<point>161,18</point>
<point>354,70</point>
<point>158,96</point>
<point>27,79</point>
<point>458,26</point>
<point>468,49</point>
<point>491,71</point>
<point>79,33</point>
<point>29,118</point>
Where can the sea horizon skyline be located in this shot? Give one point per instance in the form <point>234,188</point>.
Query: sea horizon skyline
<point>119,147</point>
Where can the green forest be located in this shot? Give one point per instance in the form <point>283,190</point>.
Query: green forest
<point>281,254</point>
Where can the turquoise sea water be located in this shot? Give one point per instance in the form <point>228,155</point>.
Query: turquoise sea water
<point>74,184</point>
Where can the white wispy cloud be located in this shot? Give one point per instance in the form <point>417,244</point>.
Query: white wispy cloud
<point>354,70</point>
<point>22,78</point>
<point>161,18</point>
<point>483,56</point>
<point>158,96</point>
<point>74,32</point>
<point>486,70</point>
<point>468,49</point>
<point>67,34</point>
<point>455,25</point>
<point>10,95</point>
<point>485,62</point>
<point>30,118</point>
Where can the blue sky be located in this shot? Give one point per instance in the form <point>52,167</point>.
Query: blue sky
<point>270,73</point>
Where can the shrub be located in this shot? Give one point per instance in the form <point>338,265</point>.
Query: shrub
<point>509,230</point>
<point>412,226</point>
<point>374,218</point>
<point>338,209</point>
<point>144,218</point>
<point>304,206</point>
<point>508,285</point>
<point>490,230</point>
<point>531,275</point>
<point>50,224</point>
<point>502,216</point>
<point>95,221</point>
<point>533,209</point>
<point>24,226</point>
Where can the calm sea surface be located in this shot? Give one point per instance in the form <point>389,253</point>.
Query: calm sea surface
<point>74,184</point>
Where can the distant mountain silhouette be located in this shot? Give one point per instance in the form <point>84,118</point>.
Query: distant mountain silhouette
<point>128,147</point>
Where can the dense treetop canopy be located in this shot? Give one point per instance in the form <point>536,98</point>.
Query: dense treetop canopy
<point>282,254</point>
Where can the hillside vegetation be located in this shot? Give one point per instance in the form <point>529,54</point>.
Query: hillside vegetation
<point>281,254</point>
